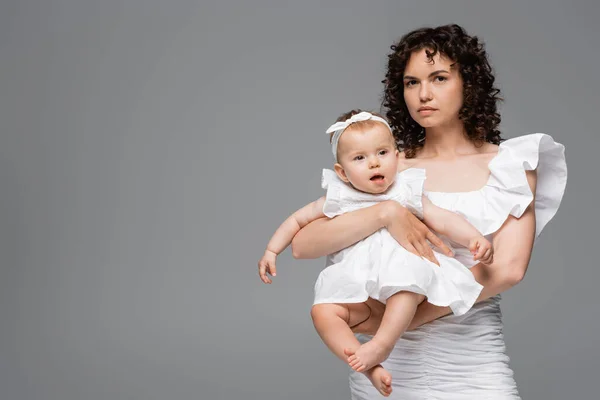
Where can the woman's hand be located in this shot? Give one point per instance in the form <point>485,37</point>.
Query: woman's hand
<point>411,233</point>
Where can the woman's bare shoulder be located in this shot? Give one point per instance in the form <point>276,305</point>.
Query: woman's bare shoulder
<point>487,152</point>
<point>490,148</point>
<point>406,163</point>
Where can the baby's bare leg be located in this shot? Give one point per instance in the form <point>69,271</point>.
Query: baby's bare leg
<point>334,323</point>
<point>370,326</point>
<point>399,311</point>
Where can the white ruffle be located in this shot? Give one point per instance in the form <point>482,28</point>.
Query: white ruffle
<point>507,190</point>
<point>378,267</point>
<point>414,179</point>
<point>539,152</point>
<point>341,197</point>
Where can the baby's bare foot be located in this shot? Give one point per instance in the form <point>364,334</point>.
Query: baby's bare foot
<point>381,379</point>
<point>368,355</point>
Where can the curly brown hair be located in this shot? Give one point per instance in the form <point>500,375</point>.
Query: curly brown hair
<point>478,113</point>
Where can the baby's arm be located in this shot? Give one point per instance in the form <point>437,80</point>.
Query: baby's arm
<point>457,229</point>
<point>285,233</point>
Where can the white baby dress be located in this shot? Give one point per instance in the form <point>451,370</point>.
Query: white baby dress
<point>378,266</point>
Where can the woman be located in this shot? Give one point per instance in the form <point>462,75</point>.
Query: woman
<point>441,101</point>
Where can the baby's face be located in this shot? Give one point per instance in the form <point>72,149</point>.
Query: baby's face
<point>367,158</point>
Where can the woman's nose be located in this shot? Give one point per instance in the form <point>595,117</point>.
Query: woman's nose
<point>425,92</point>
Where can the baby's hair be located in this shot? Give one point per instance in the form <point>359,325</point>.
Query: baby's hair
<point>358,124</point>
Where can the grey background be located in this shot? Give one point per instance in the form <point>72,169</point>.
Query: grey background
<point>149,149</point>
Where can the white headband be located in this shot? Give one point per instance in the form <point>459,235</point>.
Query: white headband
<point>339,127</point>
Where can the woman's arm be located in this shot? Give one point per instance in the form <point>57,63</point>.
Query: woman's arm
<point>513,244</point>
<point>326,236</point>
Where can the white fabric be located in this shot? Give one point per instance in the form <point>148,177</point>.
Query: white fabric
<point>342,198</point>
<point>339,127</point>
<point>378,266</point>
<point>464,357</point>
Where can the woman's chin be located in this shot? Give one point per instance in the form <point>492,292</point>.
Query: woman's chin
<point>427,122</point>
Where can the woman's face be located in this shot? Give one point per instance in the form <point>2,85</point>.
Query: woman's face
<point>433,90</point>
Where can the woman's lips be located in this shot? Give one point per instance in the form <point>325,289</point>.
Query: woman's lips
<point>427,111</point>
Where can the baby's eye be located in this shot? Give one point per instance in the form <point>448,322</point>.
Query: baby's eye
<point>383,152</point>
<point>358,158</point>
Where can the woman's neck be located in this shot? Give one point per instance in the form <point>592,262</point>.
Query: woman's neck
<point>446,141</point>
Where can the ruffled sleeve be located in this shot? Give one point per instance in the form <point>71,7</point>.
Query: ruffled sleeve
<point>413,179</point>
<point>507,191</point>
<point>333,199</point>
<point>341,197</point>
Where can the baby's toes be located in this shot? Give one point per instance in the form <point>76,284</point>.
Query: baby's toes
<point>358,366</point>
<point>387,381</point>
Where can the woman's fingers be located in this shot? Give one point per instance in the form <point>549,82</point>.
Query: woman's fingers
<point>412,234</point>
<point>437,242</point>
<point>430,255</point>
<point>425,251</point>
<point>421,250</point>
<point>408,246</point>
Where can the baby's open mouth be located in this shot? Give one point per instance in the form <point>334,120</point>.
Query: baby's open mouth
<point>377,177</point>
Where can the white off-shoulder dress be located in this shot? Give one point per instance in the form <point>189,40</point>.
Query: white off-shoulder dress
<point>377,266</point>
<point>464,357</point>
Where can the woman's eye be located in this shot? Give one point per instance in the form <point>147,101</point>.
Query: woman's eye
<point>410,83</point>
<point>440,78</point>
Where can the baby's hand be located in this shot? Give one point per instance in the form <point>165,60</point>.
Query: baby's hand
<point>267,264</point>
<point>482,250</point>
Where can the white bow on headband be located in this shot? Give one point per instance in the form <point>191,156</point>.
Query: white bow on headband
<point>339,127</point>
